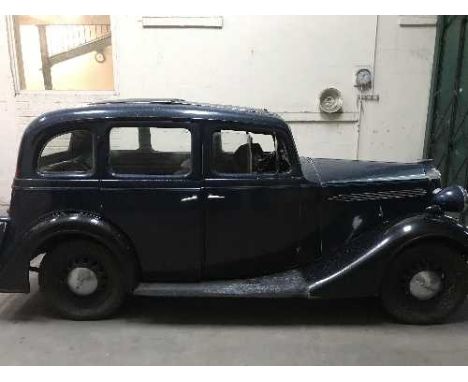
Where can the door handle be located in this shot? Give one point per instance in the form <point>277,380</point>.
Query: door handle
<point>189,198</point>
<point>214,196</point>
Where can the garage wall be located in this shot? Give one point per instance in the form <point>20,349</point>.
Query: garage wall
<point>275,62</point>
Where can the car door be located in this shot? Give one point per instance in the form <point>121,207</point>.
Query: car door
<point>252,201</point>
<point>151,190</point>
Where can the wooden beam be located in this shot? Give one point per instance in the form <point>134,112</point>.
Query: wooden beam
<point>19,54</point>
<point>46,72</point>
<point>91,46</point>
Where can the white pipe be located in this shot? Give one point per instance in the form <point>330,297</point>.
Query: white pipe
<point>360,111</point>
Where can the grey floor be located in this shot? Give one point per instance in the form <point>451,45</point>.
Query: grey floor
<point>213,332</point>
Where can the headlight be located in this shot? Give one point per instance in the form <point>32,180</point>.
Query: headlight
<point>452,199</point>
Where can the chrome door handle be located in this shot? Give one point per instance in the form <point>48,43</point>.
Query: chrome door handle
<point>214,196</point>
<point>189,198</point>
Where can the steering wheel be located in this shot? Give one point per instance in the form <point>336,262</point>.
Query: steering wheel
<point>266,162</point>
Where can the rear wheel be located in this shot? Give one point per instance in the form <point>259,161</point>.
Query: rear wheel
<point>425,284</point>
<point>82,280</point>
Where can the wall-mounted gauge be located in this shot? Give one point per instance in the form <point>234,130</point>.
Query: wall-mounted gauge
<point>363,78</point>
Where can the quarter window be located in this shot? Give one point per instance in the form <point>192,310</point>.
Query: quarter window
<point>244,152</point>
<point>70,152</point>
<point>150,150</point>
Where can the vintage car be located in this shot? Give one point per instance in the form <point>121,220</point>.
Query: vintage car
<point>172,198</point>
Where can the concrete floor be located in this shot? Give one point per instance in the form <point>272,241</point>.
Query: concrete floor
<point>246,332</point>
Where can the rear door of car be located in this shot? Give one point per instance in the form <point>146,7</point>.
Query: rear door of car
<point>151,190</point>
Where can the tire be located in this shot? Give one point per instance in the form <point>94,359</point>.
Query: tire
<point>62,262</point>
<point>406,300</point>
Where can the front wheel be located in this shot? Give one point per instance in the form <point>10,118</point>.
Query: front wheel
<point>82,280</point>
<point>425,284</point>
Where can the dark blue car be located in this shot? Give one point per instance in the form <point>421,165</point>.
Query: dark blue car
<point>171,198</point>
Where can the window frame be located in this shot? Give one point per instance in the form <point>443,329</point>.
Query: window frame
<point>194,136</point>
<point>210,173</point>
<point>67,174</point>
<point>25,94</point>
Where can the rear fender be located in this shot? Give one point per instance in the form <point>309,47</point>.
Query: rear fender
<point>14,276</point>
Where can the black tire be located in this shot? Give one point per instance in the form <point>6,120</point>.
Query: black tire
<point>65,256</point>
<point>448,263</point>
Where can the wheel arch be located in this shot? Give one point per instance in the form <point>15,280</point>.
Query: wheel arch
<point>440,239</point>
<point>60,226</point>
<point>446,241</point>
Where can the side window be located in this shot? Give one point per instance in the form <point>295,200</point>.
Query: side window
<point>244,152</point>
<point>68,153</point>
<point>150,151</point>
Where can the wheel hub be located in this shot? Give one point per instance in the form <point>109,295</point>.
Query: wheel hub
<point>424,285</point>
<point>82,281</point>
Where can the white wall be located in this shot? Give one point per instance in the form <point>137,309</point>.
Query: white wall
<point>274,62</point>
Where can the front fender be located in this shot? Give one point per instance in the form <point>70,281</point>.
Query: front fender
<point>358,269</point>
<point>14,275</point>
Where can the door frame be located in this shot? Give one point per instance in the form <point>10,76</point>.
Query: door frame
<point>190,183</point>
<point>211,179</point>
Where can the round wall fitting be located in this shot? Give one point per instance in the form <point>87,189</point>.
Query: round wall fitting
<point>331,101</point>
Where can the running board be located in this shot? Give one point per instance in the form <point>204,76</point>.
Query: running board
<point>286,284</point>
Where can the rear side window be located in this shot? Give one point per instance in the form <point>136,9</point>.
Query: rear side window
<point>150,151</point>
<point>68,153</point>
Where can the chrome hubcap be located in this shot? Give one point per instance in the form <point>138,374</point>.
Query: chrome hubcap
<point>82,281</point>
<point>425,284</point>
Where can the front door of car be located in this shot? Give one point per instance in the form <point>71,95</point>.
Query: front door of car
<point>151,190</point>
<point>252,201</point>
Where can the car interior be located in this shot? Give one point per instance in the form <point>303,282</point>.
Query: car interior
<point>146,161</point>
<point>249,157</point>
<point>62,155</point>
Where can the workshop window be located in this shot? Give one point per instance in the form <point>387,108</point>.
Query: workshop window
<point>63,52</point>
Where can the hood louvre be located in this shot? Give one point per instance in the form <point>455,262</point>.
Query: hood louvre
<point>381,195</point>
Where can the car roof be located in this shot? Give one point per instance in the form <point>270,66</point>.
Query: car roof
<point>155,108</point>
